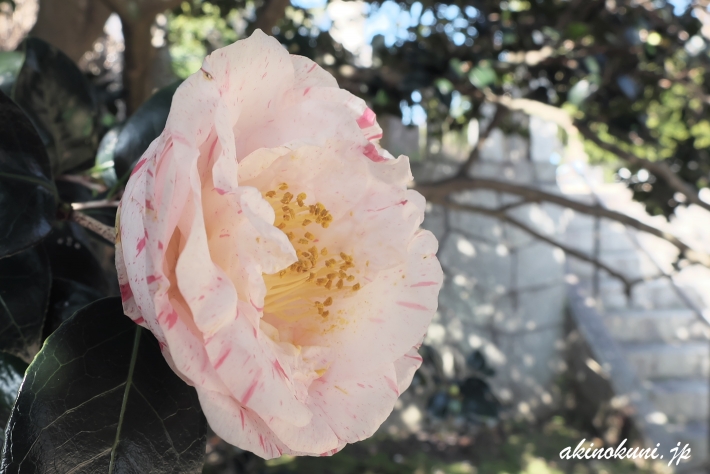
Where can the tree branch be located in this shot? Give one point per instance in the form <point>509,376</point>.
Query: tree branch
<point>70,25</point>
<point>139,55</point>
<point>268,15</point>
<point>658,168</point>
<point>473,156</point>
<point>107,232</point>
<point>439,194</point>
<point>498,213</point>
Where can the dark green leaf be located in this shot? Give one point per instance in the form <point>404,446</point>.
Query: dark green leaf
<point>12,370</point>
<point>99,397</point>
<point>67,297</point>
<point>59,100</point>
<point>27,194</point>
<point>576,30</point>
<point>482,76</point>
<point>142,128</point>
<point>71,257</point>
<point>25,280</point>
<point>10,64</point>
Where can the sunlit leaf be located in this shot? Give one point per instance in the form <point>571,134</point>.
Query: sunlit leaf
<point>12,370</point>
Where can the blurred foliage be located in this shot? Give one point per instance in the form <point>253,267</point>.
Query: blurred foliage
<point>634,71</point>
<point>196,29</point>
<point>515,449</point>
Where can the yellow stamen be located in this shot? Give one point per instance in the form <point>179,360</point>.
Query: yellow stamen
<point>313,282</point>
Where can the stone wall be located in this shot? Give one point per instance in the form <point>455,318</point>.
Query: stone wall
<point>504,291</point>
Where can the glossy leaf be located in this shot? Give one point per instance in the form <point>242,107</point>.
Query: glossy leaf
<point>105,156</point>
<point>25,281</point>
<point>100,397</point>
<point>142,128</point>
<point>12,370</point>
<point>71,257</point>
<point>58,99</point>
<point>28,198</point>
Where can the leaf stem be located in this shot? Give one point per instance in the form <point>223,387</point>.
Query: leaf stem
<point>129,382</point>
<point>78,206</point>
<point>107,232</point>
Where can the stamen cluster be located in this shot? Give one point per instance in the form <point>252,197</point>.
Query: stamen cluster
<point>314,277</point>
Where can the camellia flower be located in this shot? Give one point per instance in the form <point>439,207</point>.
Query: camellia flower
<point>274,250</point>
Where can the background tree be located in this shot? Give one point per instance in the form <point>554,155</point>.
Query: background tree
<point>627,76</point>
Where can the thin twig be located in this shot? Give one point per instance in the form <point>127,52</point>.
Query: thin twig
<point>568,250</point>
<point>439,193</point>
<point>105,231</point>
<point>78,206</point>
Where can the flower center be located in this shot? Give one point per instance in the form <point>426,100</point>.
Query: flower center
<point>311,283</point>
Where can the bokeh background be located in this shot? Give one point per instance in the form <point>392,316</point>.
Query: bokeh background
<point>563,149</point>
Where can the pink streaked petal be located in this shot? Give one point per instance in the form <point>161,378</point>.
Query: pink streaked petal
<point>396,171</point>
<point>239,426</point>
<point>355,408</point>
<point>309,74</point>
<point>412,305</point>
<point>405,367</point>
<point>370,151</point>
<point>255,384</point>
<point>367,119</point>
<point>401,326</point>
<point>198,276</point>
<point>314,438</point>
